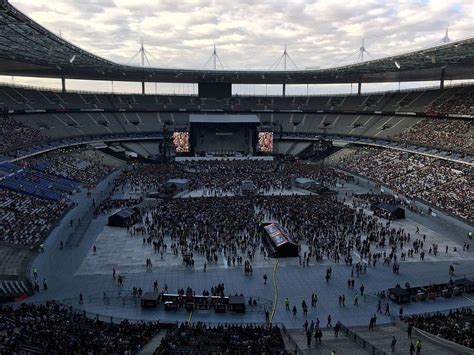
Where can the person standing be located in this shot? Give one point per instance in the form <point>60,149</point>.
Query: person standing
<point>409,330</point>
<point>418,347</point>
<point>308,338</point>
<point>337,328</point>
<point>412,349</point>
<point>265,277</point>
<point>287,304</point>
<point>318,334</point>
<point>393,344</point>
<point>304,306</point>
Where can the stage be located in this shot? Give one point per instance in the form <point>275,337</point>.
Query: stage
<point>250,157</point>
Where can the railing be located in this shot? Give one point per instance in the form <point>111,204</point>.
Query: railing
<point>125,298</point>
<point>372,349</point>
<point>291,340</point>
<point>77,140</point>
<point>80,226</point>
<point>86,92</point>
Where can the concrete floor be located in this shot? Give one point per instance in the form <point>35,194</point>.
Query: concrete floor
<point>75,270</point>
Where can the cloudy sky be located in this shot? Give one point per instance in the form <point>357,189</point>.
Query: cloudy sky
<point>250,33</point>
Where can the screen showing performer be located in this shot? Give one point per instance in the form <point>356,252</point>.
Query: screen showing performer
<point>265,142</point>
<point>181,142</point>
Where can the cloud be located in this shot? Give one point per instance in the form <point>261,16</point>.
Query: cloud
<point>251,34</point>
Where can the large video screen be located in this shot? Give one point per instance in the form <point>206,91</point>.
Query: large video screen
<point>181,142</point>
<point>265,142</point>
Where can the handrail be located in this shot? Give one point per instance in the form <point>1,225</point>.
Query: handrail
<point>86,92</point>
<point>374,350</point>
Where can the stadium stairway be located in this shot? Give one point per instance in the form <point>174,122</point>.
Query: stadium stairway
<point>339,155</point>
<point>153,344</point>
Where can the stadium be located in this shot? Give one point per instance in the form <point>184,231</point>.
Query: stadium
<point>221,223</point>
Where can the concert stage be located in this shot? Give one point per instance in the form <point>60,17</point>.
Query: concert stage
<point>220,134</point>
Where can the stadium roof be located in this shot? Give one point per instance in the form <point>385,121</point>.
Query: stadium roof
<point>28,49</point>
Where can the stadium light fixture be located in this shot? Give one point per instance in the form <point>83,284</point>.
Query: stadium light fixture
<point>73,58</point>
<point>397,65</point>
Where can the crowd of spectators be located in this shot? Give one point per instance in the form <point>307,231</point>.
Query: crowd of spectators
<point>456,326</point>
<point>200,339</point>
<point>447,133</point>
<point>15,134</point>
<point>441,183</point>
<point>76,163</point>
<point>26,220</point>
<point>461,103</point>
<point>52,328</point>
<point>226,176</point>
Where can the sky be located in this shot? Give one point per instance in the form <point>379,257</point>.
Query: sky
<point>248,34</point>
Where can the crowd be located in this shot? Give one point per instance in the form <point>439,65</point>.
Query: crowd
<point>447,133</point>
<point>16,135</point>
<point>221,177</point>
<point>200,339</point>
<point>456,326</point>
<point>52,328</point>
<point>460,103</point>
<point>77,163</point>
<point>441,183</point>
<point>26,220</point>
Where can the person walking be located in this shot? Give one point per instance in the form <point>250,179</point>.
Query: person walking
<point>387,309</point>
<point>409,330</point>
<point>412,349</point>
<point>294,311</point>
<point>308,338</point>
<point>287,304</point>
<point>329,322</point>
<point>356,299</point>
<point>265,277</point>
<point>379,306</point>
